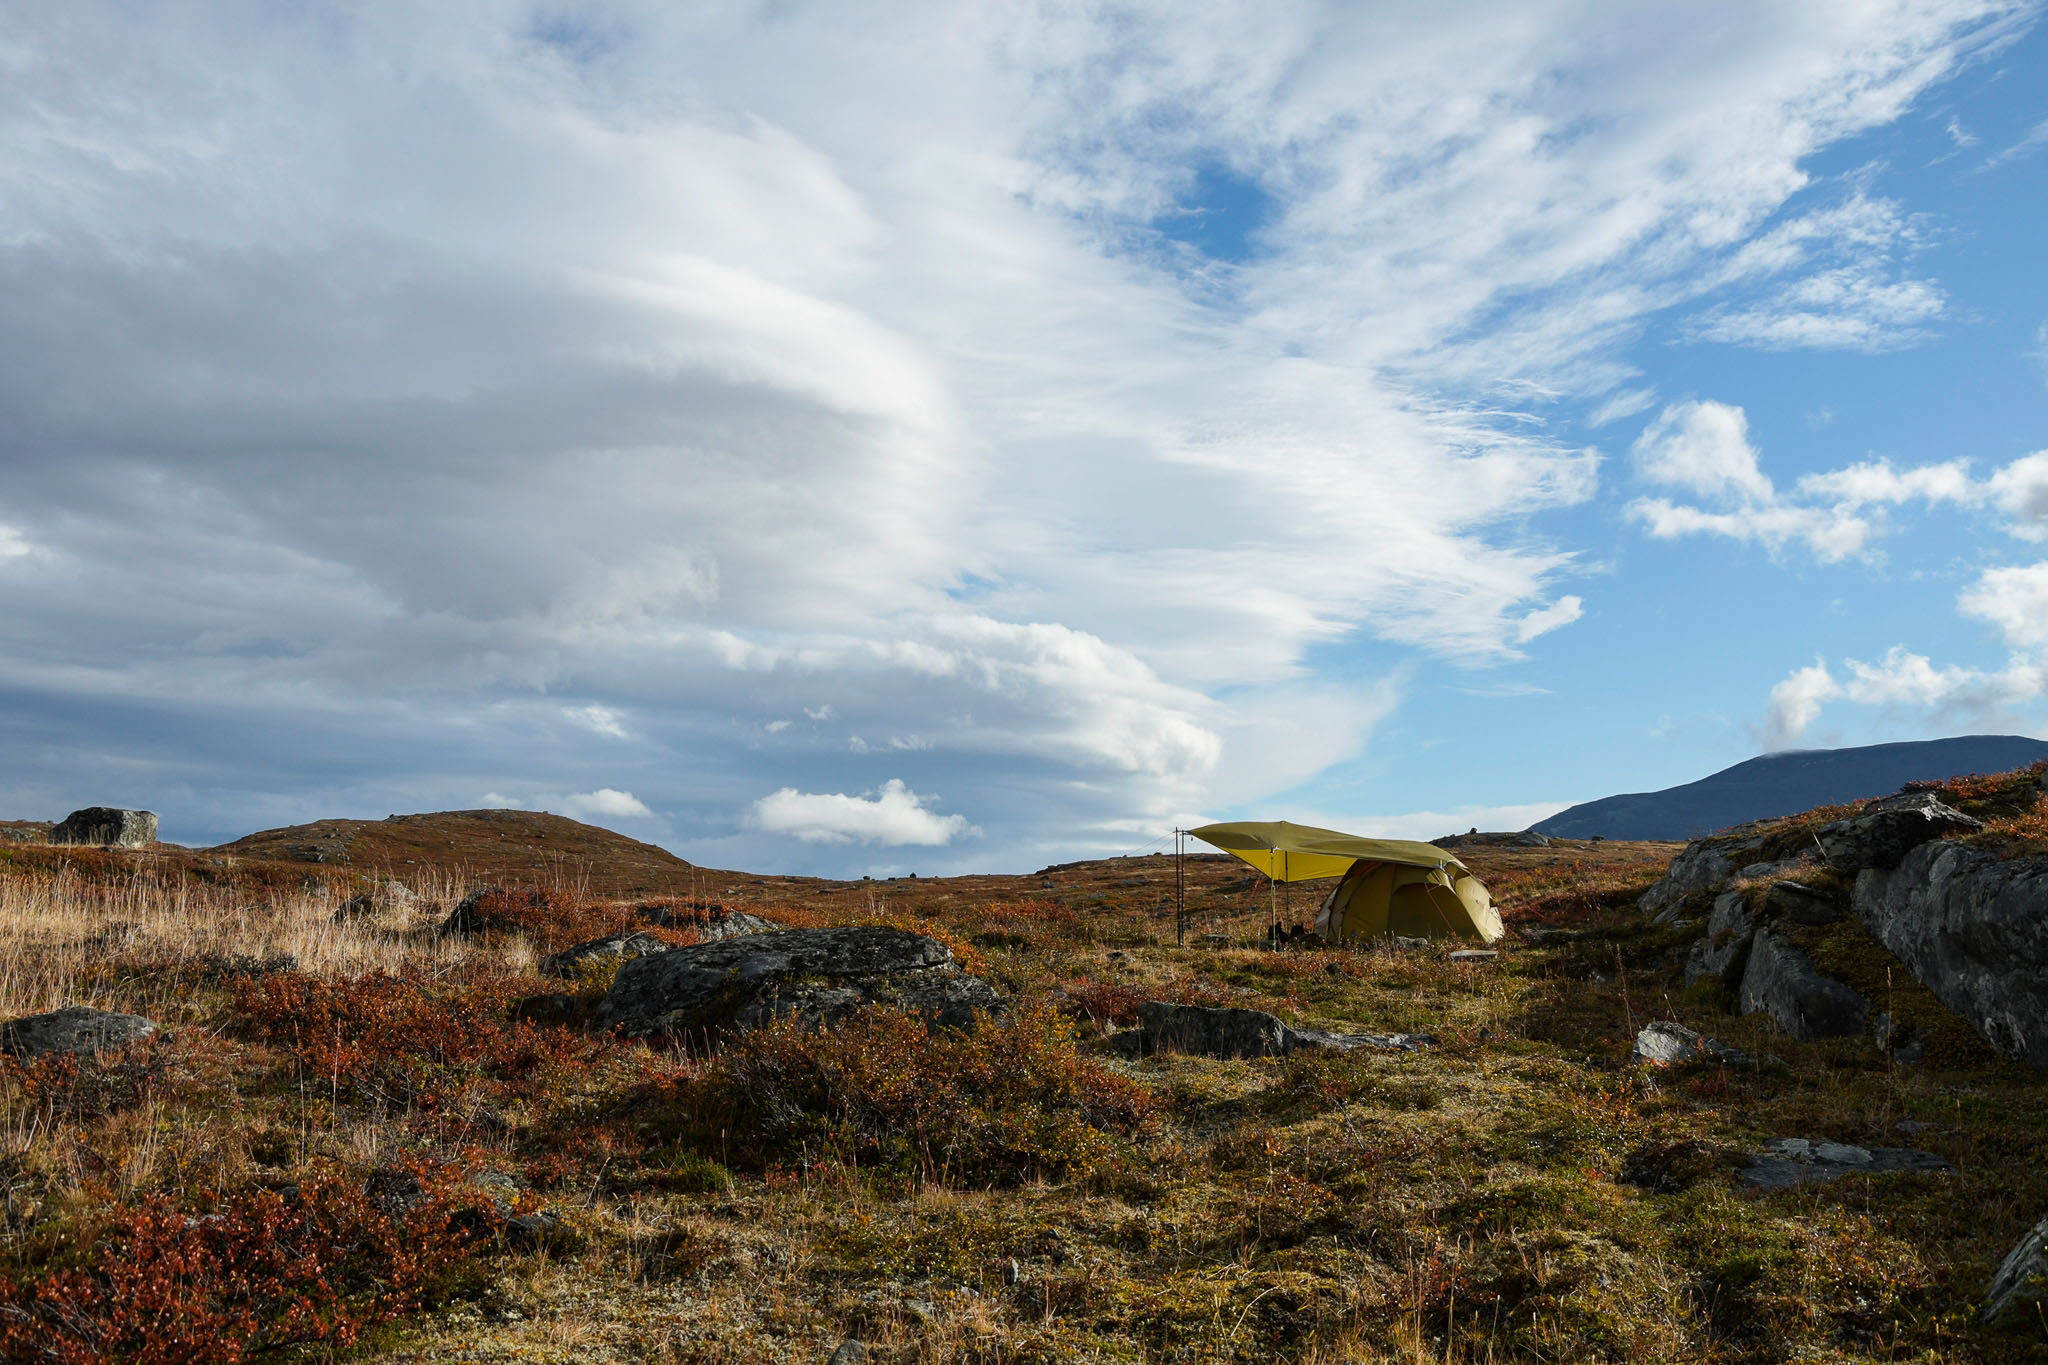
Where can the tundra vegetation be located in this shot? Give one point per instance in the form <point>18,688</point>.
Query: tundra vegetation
<point>350,1140</point>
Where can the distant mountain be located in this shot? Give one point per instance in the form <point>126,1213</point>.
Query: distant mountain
<point>1787,783</point>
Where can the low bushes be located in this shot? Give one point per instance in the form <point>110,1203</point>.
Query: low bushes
<point>241,1276</point>
<point>1008,1102</point>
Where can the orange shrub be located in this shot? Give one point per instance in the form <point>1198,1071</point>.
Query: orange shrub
<point>255,1273</point>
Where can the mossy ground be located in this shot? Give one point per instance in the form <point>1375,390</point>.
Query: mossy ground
<point>1518,1192</point>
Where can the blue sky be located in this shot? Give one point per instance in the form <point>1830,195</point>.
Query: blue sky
<point>956,440</point>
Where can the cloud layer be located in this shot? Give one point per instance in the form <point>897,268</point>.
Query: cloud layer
<point>767,414</point>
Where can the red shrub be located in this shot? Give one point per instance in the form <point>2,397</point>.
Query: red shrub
<point>401,1039</point>
<point>256,1273</point>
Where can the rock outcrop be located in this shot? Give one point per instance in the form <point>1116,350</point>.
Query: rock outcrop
<point>815,976</point>
<point>1973,928</point>
<point>1782,981</point>
<point>2021,1278</point>
<point>1212,1032</point>
<point>1724,952</point>
<point>710,925</point>
<point>1884,832</point>
<point>106,827</point>
<point>76,1029</point>
<point>1703,866</point>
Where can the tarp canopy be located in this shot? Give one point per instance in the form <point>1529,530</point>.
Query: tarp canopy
<point>1299,853</point>
<point>1389,887</point>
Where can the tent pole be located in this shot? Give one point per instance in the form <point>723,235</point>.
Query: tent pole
<point>1180,888</point>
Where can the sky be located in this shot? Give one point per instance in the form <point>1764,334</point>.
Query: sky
<point>923,437</point>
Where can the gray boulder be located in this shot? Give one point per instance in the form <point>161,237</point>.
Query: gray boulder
<point>631,944</point>
<point>1800,903</point>
<point>2021,1278</point>
<point>76,1029</point>
<point>1782,981</point>
<point>107,827</point>
<point>1973,928</point>
<point>815,976</point>
<point>468,916</point>
<point>711,925</point>
<point>1884,832</point>
<point>1668,1044</point>
<point>1787,1163</point>
<point>1724,952</point>
<point>1704,865</point>
<point>1215,1032</point>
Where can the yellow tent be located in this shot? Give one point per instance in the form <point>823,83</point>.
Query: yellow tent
<point>1389,886</point>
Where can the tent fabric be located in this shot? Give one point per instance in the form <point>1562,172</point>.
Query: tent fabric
<point>1388,887</point>
<point>1298,853</point>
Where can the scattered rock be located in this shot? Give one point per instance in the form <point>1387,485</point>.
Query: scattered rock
<point>468,916</point>
<point>817,976</point>
<point>386,898</point>
<point>1781,981</point>
<point>116,936</point>
<point>107,827</point>
<point>1475,954</point>
<point>76,1029</point>
<point>1205,1031</point>
<point>1665,1043</point>
<point>2021,1278</point>
<point>850,1352</point>
<point>1800,903</point>
<point>631,944</point>
<point>1724,952</point>
<point>712,922</point>
<point>1884,832</point>
<point>1786,1163</point>
<point>1969,926</point>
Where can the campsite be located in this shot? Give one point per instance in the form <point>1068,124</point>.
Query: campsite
<point>385,1115</point>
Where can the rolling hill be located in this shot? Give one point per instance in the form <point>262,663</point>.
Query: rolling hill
<point>1781,784</point>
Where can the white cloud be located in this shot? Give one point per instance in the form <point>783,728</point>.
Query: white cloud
<point>606,803</point>
<point>499,801</point>
<point>892,816</point>
<point>819,713</point>
<point>1796,703</point>
<point>2015,600</point>
<point>1562,612</point>
<point>1431,824</point>
<point>13,545</point>
<point>1703,447</point>
<point>2021,492</point>
<point>2033,140</point>
<point>776,727</point>
<point>1625,403</point>
<point>603,720</point>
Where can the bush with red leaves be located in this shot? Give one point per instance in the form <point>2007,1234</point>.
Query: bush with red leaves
<point>256,1272</point>
<point>404,1040</point>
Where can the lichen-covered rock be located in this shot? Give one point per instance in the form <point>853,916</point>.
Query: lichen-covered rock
<point>1783,982</point>
<point>1801,904</point>
<point>1973,928</point>
<point>1704,865</point>
<point>1205,1031</point>
<point>1724,952</point>
<point>2021,1278</point>
<point>711,924</point>
<point>1884,832</point>
<point>573,960</point>
<point>107,827</point>
<point>815,976</point>
<point>1786,1163</point>
<point>1665,1043</point>
<point>75,1029</point>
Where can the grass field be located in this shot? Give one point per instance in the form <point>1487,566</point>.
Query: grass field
<point>1032,1193</point>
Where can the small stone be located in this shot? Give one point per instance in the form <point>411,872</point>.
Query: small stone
<point>1475,955</point>
<point>76,1029</point>
<point>2021,1278</point>
<point>850,1352</point>
<point>1665,1043</point>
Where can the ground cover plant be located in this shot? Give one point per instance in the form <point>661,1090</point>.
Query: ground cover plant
<point>354,1139</point>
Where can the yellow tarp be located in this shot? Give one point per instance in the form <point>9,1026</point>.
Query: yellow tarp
<point>1389,887</point>
<point>1298,853</point>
